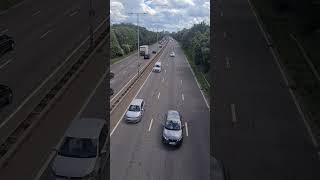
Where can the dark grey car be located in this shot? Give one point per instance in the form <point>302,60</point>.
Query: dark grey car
<point>82,154</point>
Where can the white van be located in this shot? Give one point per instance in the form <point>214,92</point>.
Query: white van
<point>157,67</point>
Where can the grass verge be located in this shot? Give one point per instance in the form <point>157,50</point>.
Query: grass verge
<point>201,77</point>
<point>305,85</point>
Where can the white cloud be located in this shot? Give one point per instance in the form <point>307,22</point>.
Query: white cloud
<point>170,15</point>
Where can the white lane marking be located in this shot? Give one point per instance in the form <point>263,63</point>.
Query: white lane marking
<point>133,98</point>
<point>221,13</point>
<point>4,31</point>
<point>46,80</point>
<point>314,141</point>
<point>182,97</point>
<point>45,34</point>
<point>4,64</point>
<point>233,113</point>
<point>227,62</point>
<point>224,34</point>
<point>165,71</point>
<point>36,13</point>
<point>187,132</point>
<point>159,95</point>
<point>162,80</point>
<point>74,13</point>
<point>150,125</point>
<point>181,81</point>
<point>52,154</point>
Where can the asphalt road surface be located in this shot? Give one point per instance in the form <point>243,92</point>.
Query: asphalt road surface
<point>45,32</point>
<point>125,69</point>
<point>258,131</point>
<point>136,150</point>
<point>85,97</point>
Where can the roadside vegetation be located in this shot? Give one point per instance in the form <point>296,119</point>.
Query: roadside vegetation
<point>123,39</point>
<point>195,42</point>
<point>295,30</point>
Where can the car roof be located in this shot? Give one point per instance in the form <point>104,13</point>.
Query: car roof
<point>158,63</point>
<point>173,115</point>
<point>136,102</point>
<point>85,128</point>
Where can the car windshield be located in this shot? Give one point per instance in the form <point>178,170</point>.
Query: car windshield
<point>157,65</point>
<point>172,125</point>
<point>79,147</point>
<point>134,108</point>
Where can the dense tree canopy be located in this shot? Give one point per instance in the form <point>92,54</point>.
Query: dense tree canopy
<point>196,41</point>
<point>123,38</point>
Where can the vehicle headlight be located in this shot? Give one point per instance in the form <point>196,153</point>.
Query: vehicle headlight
<point>165,137</point>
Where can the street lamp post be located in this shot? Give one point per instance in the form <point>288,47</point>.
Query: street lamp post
<point>138,53</point>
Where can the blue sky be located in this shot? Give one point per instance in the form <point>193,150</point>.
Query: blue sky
<point>168,15</point>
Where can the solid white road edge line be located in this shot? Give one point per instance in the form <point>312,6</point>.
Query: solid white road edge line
<point>204,98</point>
<point>52,154</point>
<point>314,141</point>
<point>182,97</point>
<point>159,95</point>
<point>150,125</point>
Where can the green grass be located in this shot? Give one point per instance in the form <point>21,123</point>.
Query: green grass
<point>306,86</point>
<point>114,60</point>
<point>201,77</point>
<point>5,4</point>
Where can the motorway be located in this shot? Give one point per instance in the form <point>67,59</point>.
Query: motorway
<point>258,132</point>
<point>136,150</point>
<point>46,33</point>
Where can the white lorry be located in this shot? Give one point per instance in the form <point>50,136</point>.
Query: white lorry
<point>144,51</point>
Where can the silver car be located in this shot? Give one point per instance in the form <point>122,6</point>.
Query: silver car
<point>135,111</point>
<point>82,154</point>
<point>172,132</point>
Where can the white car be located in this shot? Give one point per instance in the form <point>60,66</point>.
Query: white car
<point>157,67</point>
<point>172,54</point>
<point>135,111</point>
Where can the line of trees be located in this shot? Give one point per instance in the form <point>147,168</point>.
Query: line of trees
<point>196,42</point>
<point>123,38</point>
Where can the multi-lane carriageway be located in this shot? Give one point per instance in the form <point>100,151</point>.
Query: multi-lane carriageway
<point>136,150</point>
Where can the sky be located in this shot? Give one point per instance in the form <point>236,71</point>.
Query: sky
<point>168,15</point>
